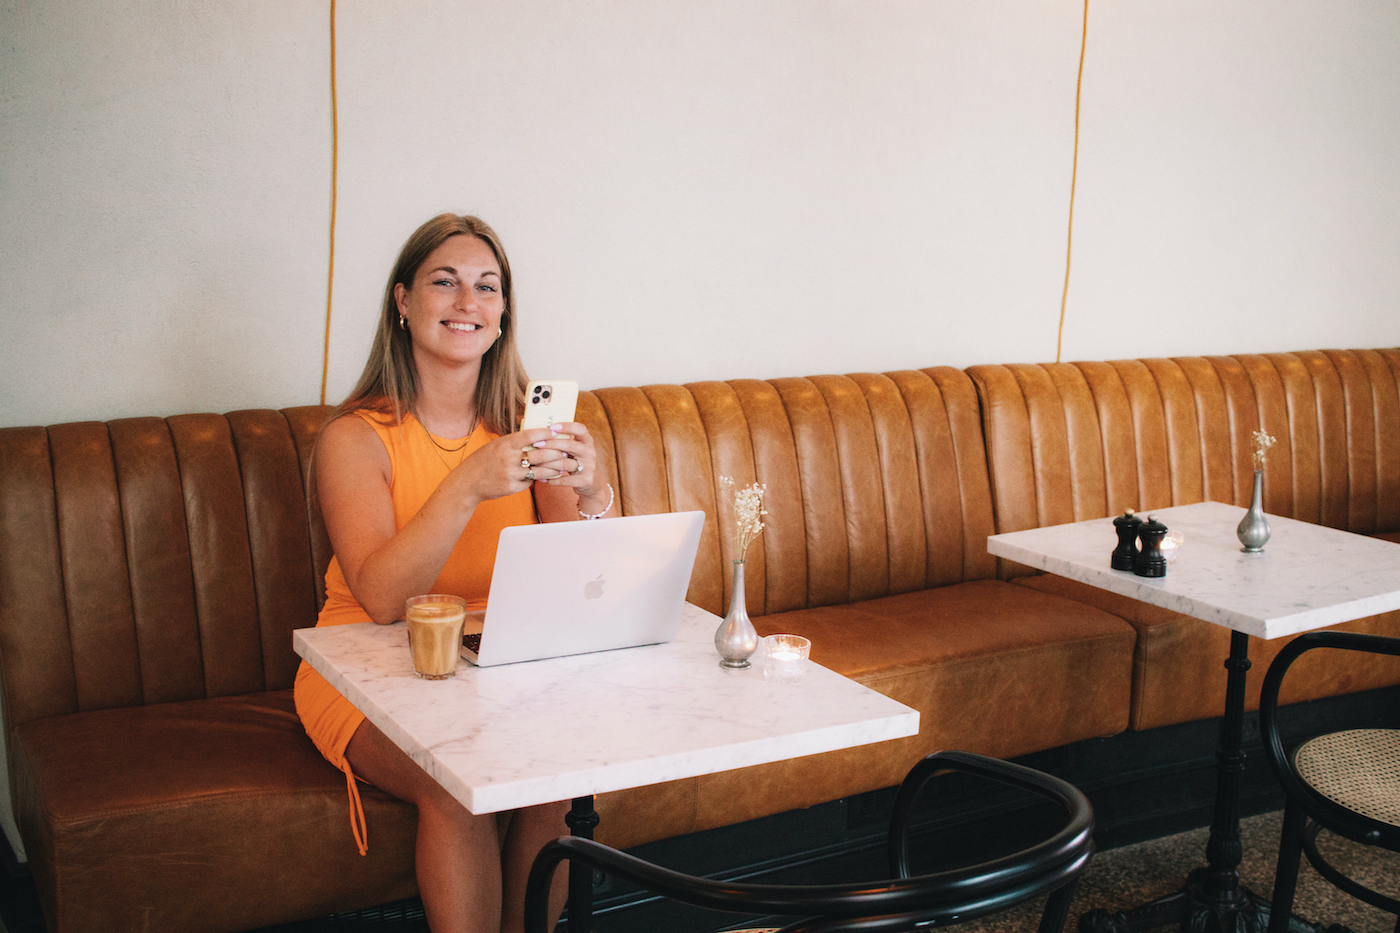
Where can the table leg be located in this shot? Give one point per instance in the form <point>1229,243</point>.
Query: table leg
<point>582,818</point>
<point>1212,900</point>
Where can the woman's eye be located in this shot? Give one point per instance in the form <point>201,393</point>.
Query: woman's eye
<point>486,288</point>
<point>446,282</point>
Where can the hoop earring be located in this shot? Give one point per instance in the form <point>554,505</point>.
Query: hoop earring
<point>402,325</point>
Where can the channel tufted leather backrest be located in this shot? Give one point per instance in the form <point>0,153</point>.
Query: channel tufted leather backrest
<point>1068,442</point>
<point>150,560</point>
<point>876,484</point>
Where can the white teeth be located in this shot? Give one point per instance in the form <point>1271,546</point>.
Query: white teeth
<point>456,325</point>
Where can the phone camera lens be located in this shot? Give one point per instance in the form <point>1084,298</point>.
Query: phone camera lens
<point>545,393</point>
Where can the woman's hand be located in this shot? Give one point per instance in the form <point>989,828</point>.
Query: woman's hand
<point>568,454</point>
<point>568,460</point>
<point>507,465</point>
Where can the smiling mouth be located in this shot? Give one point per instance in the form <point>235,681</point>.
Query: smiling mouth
<point>461,326</point>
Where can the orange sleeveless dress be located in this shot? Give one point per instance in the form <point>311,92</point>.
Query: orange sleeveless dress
<point>418,466</point>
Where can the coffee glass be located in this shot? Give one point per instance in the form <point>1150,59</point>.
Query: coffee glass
<point>435,634</point>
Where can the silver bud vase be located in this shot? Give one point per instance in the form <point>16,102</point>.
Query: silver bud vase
<point>736,639</point>
<point>1253,530</point>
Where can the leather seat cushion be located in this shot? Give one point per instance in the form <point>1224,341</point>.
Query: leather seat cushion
<point>1053,671</point>
<point>132,803</point>
<point>1179,662</point>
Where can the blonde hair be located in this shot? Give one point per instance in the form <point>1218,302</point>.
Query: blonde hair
<point>389,383</point>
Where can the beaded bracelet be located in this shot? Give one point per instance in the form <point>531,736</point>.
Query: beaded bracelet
<point>583,514</point>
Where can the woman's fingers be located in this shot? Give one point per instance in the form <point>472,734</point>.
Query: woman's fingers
<point>574,456</point>
<point>562,454</point>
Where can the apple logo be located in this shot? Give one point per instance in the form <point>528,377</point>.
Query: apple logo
<point>594,588</point>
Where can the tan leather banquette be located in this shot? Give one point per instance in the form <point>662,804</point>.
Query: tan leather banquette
<point>153,569</point>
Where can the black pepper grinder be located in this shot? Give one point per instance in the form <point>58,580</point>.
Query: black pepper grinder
<point>1150,562</point>
<point>1125,554</point>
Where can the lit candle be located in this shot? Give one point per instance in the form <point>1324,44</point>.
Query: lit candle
<point>1171,546</point>
<point>785,658</point>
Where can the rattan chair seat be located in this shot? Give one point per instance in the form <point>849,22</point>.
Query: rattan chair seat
<point>1346,782</point>
<point>1358,769</point>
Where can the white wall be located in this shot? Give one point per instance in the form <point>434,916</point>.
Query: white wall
<point>702,190</point>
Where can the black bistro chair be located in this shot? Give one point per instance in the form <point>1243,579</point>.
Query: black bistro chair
<point>1346,782</point>
<point>1048,867</point>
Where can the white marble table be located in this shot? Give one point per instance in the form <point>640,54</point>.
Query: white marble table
<point>1308,576</point>
<point>511,736</point>
<point>516,735</point>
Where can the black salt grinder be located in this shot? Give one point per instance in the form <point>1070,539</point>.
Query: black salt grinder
<point>1150,562</point>
<point>1125,553</point>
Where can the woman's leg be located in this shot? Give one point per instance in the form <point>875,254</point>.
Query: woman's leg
<point>458,856</point>
<point>530,828</point>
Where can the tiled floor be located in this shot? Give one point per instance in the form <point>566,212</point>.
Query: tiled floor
<point>1116,880</point>
<point>1121,879</point>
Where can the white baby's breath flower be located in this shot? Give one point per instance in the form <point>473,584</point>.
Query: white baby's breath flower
<point>1262,442</point>
<point>748,514</point>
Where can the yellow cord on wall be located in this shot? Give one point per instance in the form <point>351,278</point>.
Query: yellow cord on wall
<point>330,272</point>
<point>1073,178</point>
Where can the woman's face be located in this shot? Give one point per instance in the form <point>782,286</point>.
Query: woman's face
<point>453,310</point>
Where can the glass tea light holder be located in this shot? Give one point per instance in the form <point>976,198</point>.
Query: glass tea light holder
<point>1171,546</point>
<point>785,658</point>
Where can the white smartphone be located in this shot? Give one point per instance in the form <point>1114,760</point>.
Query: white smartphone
<point>549,401</point>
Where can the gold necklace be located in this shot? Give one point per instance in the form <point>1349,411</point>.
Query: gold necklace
<point>471,429</point>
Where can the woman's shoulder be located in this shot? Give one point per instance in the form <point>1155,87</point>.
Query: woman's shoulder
<point>356,433</point>
<point>377,418</point>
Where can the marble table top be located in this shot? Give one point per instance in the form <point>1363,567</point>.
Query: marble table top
<point>1307,577</point>
<point>522,734</point>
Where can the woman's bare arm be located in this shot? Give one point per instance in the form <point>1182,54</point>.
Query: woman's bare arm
<point>383,567</point>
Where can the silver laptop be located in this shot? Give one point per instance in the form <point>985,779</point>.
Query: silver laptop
<point>575,587</point>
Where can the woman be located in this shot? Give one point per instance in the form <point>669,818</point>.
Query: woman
<point>417,473</point>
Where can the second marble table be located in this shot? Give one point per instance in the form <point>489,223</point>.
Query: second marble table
<point>1308,576</point>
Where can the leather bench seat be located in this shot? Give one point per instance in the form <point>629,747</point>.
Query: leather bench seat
<point>1048,670</point>
<point>228,790</point>
<point>1053,670</point>
<point>1174,650</point>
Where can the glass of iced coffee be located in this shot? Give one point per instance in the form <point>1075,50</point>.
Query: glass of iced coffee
<point>435,634</point>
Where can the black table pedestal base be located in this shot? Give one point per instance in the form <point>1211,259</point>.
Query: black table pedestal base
<point>1212,900</point>
<point>1196,909</point>
<point>581,820</point>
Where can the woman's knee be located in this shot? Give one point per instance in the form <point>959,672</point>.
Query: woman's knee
<point>444,808</point>
<point>546,817</point>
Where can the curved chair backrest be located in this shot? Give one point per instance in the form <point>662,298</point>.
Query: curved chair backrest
<point>1320,808</point>
<point>998,883</point>
<point>896,904</point>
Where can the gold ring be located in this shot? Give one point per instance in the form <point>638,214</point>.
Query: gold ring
<point>524,463</point>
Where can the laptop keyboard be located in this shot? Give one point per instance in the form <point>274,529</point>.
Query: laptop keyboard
<point>472,641</point>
